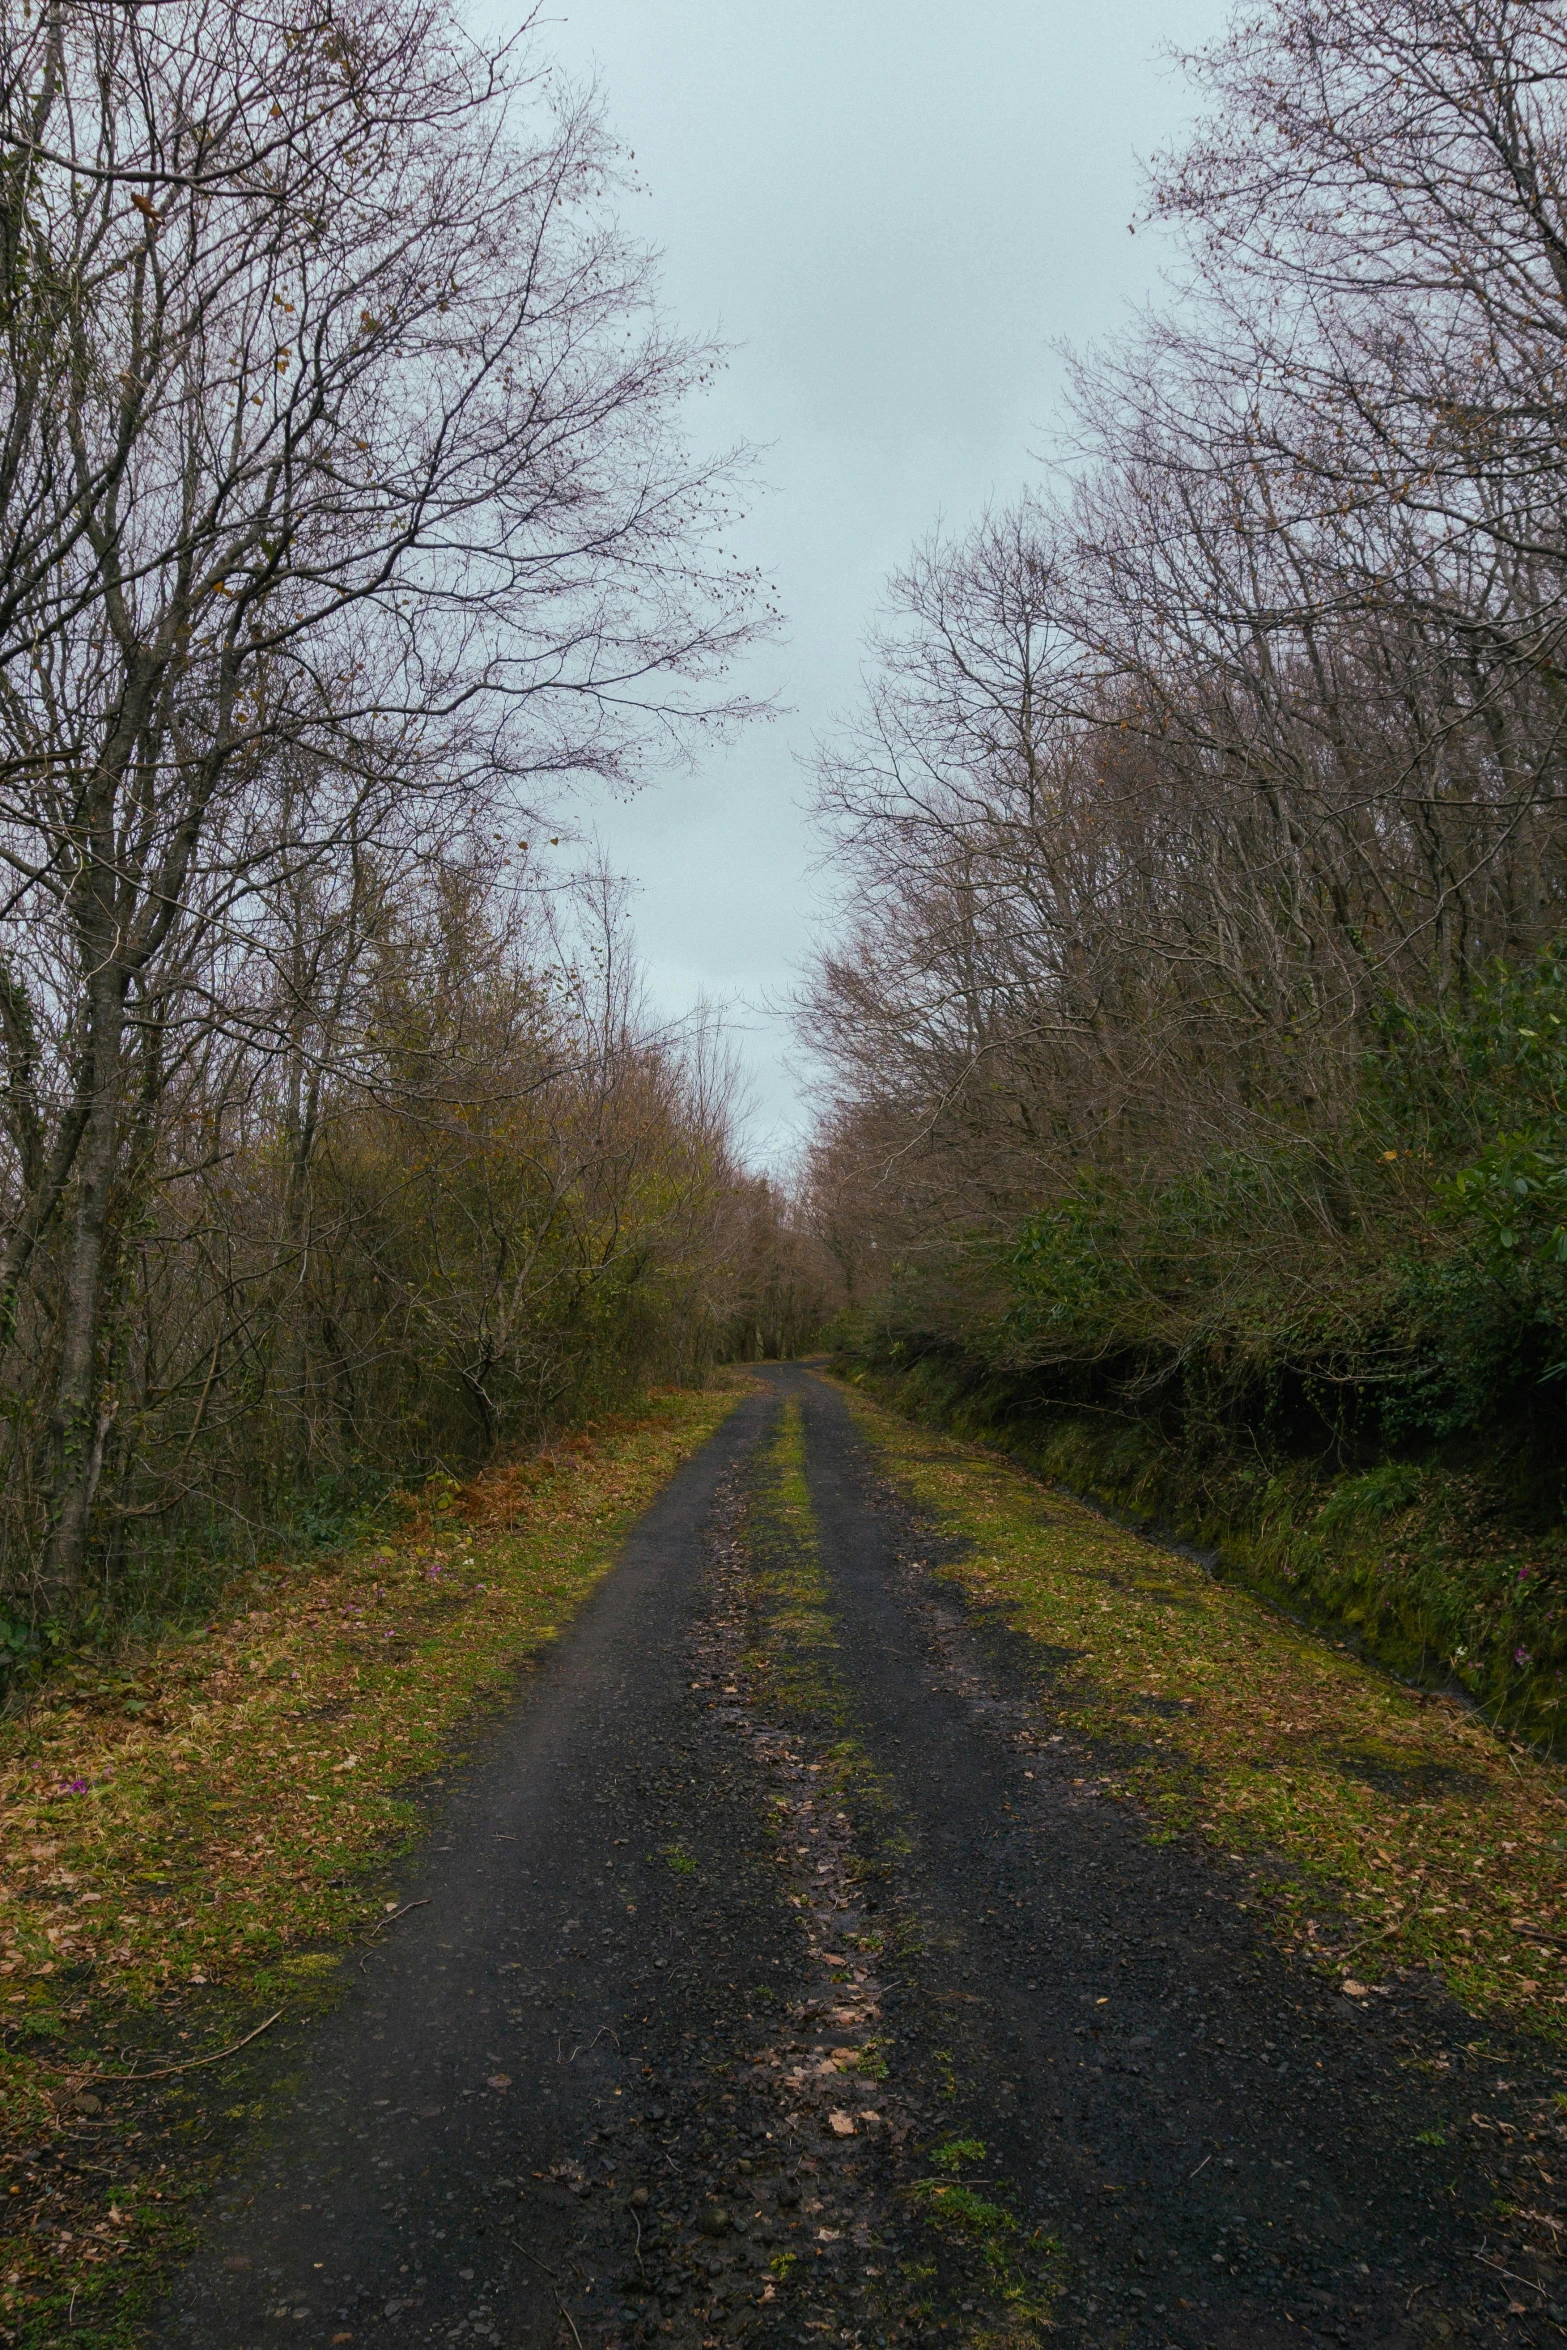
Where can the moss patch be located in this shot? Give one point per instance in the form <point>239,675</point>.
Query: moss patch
<point>793,1650</point>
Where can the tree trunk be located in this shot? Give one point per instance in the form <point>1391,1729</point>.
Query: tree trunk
<point>82,1413</point>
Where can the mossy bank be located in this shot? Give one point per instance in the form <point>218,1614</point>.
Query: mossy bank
<point>1432,1564</point>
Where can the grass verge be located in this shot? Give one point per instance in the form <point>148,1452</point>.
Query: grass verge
<point>1450,1569</point>
<point>183,1860</point>
<point>1408,1835</point>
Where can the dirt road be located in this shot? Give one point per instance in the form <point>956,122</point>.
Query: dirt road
<point>783,1976</point>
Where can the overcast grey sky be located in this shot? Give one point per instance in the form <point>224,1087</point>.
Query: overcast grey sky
<point>893,209</point>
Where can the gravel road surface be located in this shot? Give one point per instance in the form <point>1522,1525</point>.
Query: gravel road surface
<point>779,1987</point>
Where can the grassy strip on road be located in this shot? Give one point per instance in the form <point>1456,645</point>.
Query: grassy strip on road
<point>1408,1834</point>
<point>183,1861</point>
<point>794,1664</point>
<point>795,1678</point>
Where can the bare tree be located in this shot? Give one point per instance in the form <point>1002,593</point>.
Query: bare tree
<point>1184,791</point>
<point>339,438</point>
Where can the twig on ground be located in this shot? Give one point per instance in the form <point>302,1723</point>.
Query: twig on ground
<point>390,1920</point>
<point>551,2274</point>
<point>392,1917</point>
<point>533,2256</point>
<point>1343,1957</point>
<point>191,2062</point>
<point>1207,2158</point>
<point>1527,2283</point>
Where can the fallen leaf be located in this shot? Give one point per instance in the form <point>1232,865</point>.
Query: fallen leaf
<point>841,2125</point>
<point>1353,1989</point>
<point>497,2080</point>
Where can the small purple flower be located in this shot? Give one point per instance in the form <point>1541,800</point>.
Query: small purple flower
<point>1521,1656</point>
<point>74,1787</point>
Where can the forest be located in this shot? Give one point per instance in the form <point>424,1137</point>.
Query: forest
<point>347,526</point>
<point>1192,1033</point>
<point>1196,1017</point>
<point>1193,1027</point>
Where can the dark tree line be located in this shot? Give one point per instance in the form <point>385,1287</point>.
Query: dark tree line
<point>1195,1026</point>
<point>345,518</point>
